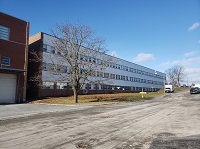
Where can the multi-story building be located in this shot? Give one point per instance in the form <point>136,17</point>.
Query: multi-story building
<point>119,76</point>
<point>14,35</point>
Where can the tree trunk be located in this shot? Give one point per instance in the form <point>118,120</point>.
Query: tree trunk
<point>75,95</point>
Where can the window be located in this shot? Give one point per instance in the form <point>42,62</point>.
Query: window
<point>118,77</point>
<point>44,48</point>
<point>86,58</point>
<point>88,86</point>
<point>96,86</point>
<point>106,87</point>
<point>59,53</point>
<point>4,32</point>
<point>139,71</point>
<point>99,74</point>
<point>122,77</point>
<point>112,65</point>
<point>100,62</point>
<point>112,76</point>
<point>106,75</point>
<point>53,51</point>
<point>131,69</point>
<point>126,78</point>
<point>92,73</point>
<point>137,79</point>
<point>62,69</point>
<point>62,85</point>
<point>94,60</point>
<point>47,85</point>
<point>81,57</point>
<point>5,61</point>
<point>118,66</point>
<point>125,68</point>
<point>44,66</point>
<point>90,59</point>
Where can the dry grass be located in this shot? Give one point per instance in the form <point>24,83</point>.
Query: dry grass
<point>98,99</point>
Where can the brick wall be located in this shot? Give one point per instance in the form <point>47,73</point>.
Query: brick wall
<point>15,47</point>
<point>17,27</point>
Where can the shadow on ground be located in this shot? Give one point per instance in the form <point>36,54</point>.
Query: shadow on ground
<point>170,141</point>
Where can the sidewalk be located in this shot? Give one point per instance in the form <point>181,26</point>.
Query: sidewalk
<point>23,110</point>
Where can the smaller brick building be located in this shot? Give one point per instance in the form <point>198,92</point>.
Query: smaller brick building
<point>14,35</point>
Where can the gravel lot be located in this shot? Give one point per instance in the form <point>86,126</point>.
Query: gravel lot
<point>168,122</point>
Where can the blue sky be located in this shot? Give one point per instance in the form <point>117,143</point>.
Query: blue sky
<point>154,33</point>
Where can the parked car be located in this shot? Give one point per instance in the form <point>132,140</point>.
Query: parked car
<point>195,90</point>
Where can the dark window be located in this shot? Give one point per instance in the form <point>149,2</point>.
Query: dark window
<point>126,78</point>
<point>122,77</point>
<point>118,77</point>
<point>5,61</point>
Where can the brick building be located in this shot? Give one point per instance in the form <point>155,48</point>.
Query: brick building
<point>14,35</point>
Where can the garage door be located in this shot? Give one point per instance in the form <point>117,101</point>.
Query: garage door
<point>7,88</point>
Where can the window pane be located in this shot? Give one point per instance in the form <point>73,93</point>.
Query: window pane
<point>5,61</point>
<point>4,32</point>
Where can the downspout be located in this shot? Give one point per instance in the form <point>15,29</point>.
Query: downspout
<point>26,61</point>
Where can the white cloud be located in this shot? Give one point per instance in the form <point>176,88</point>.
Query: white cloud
<point>113,53</point>
<point>194,26</point>
<point>192,53</point>
<point>143,57</point>
<point>184,62</point>
<point>192,75</point>
<point>191,63</point>
<point>192,71</point>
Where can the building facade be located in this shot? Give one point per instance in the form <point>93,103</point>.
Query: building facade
<point>119,76</point>
<point>14,35</point>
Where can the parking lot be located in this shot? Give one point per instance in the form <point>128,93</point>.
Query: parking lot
<point>171,121</point>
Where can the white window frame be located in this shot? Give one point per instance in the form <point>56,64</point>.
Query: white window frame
<point>4,32</point>
<point>8,58</point>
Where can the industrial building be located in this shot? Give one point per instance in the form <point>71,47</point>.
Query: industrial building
<point>121,76</point>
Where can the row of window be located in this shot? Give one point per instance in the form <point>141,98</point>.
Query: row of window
<point>54,68</point>
<point>112,65</point>
<point>61,85</point>
<point>133,70</point>
<point>63,69</point>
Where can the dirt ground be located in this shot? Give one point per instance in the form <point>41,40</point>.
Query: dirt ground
<point>168,122</point>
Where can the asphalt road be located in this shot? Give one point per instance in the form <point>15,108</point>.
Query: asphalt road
<point>169,122</point>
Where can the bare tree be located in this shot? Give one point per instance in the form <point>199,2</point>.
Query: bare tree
<point>81,57</point>
<point>171,76</point>
<point>175,74</point>
<point>179,71</point>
